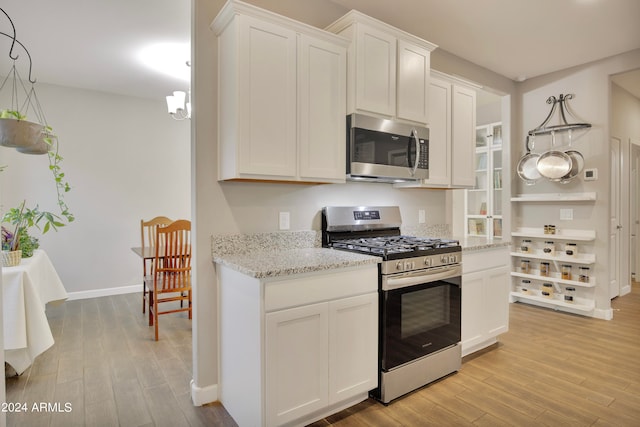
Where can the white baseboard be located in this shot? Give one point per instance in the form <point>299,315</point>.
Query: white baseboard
<point>105,292</point>
<point>203,395</point>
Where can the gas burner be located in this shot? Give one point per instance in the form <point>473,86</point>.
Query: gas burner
<point>391,245</point>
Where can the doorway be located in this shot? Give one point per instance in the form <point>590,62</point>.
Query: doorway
<point>625,134</point>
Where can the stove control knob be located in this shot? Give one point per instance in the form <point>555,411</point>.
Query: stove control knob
<point>427,262</point>
<point>444,259</point>
<point>452,258</point>
<point>400,266</point>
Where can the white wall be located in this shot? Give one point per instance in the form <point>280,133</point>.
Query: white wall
<point>591,85</point>
<point>125,160</point>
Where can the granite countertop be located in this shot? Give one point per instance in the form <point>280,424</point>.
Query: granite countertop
<point>473,243</point>
<point>276,263</point>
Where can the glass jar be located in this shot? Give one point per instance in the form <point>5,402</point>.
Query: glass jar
<point>525,266</point>
<point>550,229</point>
<point>549,248</point>
<point>525,286</point>
<point>525,247</point>
<point>548,288</point>
<point>545,269</point>
<point>571,249</point>
<point>583,274</point>
<point>569,294</point>
<point>565,271</point>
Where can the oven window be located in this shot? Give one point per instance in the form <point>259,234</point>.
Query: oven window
<point>419,320</point>
<point>424,310</point>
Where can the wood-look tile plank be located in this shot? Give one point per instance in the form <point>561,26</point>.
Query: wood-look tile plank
<point>68,402</point>
<point>164,407</point>
<point>103,414</point>
<point>130,403</point>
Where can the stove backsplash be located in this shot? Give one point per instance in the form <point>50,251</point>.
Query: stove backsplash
<point>228,244</point>
<point>442,231</point>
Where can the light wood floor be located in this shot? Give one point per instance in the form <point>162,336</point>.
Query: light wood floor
<point>551,369</point>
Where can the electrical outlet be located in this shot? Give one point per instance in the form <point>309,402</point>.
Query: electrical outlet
<point>566,214</point>
<point>284,221</point>
<point>421,216</point>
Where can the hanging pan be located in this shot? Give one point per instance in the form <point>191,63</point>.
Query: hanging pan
<point>554,164</point>
<point>577,163</point>
<point>527,166</point>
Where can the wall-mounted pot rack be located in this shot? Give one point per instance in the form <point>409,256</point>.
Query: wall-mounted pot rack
<point>565,126</point>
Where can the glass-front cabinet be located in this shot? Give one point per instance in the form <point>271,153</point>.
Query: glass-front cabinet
<point>484,202</point>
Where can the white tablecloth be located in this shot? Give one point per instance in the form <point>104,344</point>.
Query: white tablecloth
<point>27,288</point>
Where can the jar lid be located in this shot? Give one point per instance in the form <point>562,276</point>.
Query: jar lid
<point>571,244</point>
<point>549,241</point>
<point>526,281</point>
<point>570,289</point>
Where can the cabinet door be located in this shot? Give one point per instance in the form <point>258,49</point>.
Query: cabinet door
<point>497,301</point>
<point>463,136</point>
<point>375,71</point>
<point>485,306</point>
<point>353,346</point>
<point>439,133</point>
<point>322,110</point>
<point>267,99</point>
<point>414,69</point>
<point>296,349</point>
<point>473,310</point>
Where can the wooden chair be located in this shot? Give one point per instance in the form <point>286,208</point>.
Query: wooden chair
<point>148,240</point>
<point>171,279</point>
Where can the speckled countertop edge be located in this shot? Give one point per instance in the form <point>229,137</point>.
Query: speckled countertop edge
<point>471,243</point>
<point>276,263</point>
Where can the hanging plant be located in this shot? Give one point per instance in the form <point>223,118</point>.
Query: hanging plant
<point>31,138</point>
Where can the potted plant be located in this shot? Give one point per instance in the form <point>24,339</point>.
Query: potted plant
<point>17,243</point>
<point>16,131</point>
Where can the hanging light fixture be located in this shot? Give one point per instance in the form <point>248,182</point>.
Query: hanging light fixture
<point>179,105</point>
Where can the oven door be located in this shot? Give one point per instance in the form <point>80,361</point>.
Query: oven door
<point>419,316</point>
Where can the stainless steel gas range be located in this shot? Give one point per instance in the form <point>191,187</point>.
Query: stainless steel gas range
<point>420,295</point>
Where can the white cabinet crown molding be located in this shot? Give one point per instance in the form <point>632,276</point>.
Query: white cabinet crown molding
<point>237,7</point>
<point>354,17</point>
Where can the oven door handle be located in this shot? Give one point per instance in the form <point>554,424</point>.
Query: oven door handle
<point>390,283</point>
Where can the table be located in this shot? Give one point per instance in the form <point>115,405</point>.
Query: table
<point>27,288</point>
<point>148,253</point>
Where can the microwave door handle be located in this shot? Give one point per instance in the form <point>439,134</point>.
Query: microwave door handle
<point>414,134</point>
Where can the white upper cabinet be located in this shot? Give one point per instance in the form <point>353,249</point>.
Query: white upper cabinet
<point>452,124</point>
<point>414,65</point>
<point>463,136</point>
<point>388,71</point>
<point>322,90</point>
<point>281,92</point>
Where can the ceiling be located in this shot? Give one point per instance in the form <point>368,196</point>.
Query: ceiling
<point>94,44</point>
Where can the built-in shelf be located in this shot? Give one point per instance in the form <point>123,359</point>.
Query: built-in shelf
<point>561,234</point>
<point>555,197</point>
<point>582,305</point>
<point>554,278</point>
<point>585,259</point>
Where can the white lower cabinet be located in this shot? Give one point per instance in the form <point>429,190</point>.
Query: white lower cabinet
<point>297,349</point>
<point>297,362</point>
<point>319,355</point>
<point>485,298</point>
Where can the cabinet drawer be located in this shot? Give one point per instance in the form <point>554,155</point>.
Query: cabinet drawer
<point>485,259</point>
<point>309,289</point>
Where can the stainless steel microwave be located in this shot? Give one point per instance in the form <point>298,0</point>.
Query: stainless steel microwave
<point>386,151</point>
